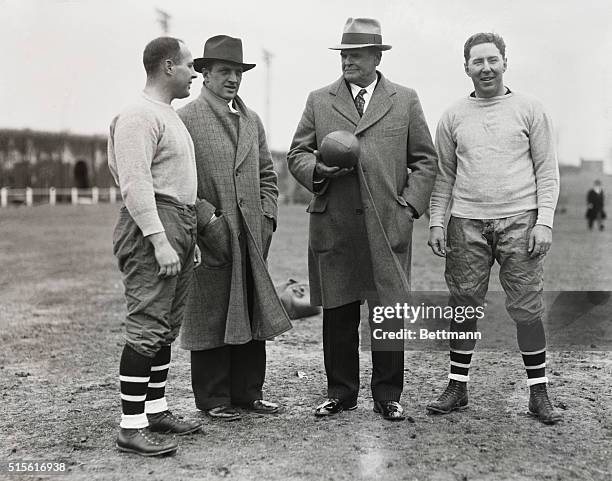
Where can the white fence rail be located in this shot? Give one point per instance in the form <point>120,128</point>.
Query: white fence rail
<point>30,196</point>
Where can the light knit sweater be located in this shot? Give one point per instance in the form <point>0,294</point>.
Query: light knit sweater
<point>151,152</point>
<point>496,159</point>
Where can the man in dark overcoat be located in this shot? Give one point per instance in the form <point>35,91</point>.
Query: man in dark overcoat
<point>233,307</point>
<point>361,218</point>
<point>595,206</point>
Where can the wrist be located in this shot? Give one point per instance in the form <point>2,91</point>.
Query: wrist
<point>158,239</point>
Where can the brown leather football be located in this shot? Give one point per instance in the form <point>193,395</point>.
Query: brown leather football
<point>340,149</point>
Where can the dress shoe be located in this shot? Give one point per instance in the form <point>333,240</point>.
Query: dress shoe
<point>144,442</point>
<point>166,422</point>
<point>390,410</point>
<point>224,413</point>
<point>262,407</point>
<point>454,398</point>
<point>332,406</point>
<point>540,406</point>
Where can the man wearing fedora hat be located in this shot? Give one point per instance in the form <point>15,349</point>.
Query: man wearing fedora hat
<point>233,307</point>
<point>361,218</point>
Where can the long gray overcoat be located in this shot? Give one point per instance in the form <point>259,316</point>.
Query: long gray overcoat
<point>360,225</point>
<point>236,179</point>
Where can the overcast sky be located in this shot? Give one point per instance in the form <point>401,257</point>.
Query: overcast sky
<point>72,64</point>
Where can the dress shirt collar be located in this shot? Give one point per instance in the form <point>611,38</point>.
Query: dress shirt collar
<point>369,90</point>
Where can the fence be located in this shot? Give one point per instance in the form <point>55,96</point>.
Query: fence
<point>52,196</point>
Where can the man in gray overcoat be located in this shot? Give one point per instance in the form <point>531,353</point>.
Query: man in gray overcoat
<point>361,218</point>
<point>232,307</point>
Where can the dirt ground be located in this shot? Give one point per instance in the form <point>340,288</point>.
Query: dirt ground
<point>61,310</point>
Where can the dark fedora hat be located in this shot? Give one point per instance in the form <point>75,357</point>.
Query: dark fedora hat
<point>222,47</point>
<point>360,33</point>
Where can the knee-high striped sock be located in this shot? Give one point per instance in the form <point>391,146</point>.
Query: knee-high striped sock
<point>156,392</point>
<point>460,362</point>
<point>535,365</point>
<point>134,371</point>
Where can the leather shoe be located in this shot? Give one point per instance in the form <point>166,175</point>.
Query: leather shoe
<point>332,406</point>
<point>454,398</point>
<point>540,406</point>
<point>262,407</point>
<point>144,442</point>
<point>224,413</point>
<point>166,422</point>
<point>390,410</point>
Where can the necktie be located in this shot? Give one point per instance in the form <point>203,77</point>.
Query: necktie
<point>360,102</point>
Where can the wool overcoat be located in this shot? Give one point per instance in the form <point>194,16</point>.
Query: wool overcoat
<point>236,180</point>
<point>360,225</point>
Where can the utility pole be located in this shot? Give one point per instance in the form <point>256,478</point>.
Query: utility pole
<point>267,56</point>
<point>164,20</point>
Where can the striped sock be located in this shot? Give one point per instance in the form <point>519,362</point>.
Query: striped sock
<point>156,391</point>
<point>134,372</point>
<point>535,365</point>
<point>460,362</point>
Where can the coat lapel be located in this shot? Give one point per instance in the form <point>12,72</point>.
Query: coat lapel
<point>379,105</point>
<point>343,101</point>
<point>246,133</point>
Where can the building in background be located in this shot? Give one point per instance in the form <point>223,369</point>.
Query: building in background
<point>36,159</point>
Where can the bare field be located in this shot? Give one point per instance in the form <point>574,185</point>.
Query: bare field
<point>61,310</point>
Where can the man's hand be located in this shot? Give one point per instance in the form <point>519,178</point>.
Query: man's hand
<point>197,256</point>
<point>540,240</point>
<point>167,258</point>
<point>323,170</point>
<point>437,241</point>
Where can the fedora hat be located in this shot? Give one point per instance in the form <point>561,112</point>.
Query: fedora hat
<point>222,47</point>
<point>361,32</point>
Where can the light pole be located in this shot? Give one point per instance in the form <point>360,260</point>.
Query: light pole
<point>164,20</point>
<point>267,57</point>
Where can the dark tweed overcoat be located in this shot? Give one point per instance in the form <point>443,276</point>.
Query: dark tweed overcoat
<point>360,224</point>
<point>235,178</point>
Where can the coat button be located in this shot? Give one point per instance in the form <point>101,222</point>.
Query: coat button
<point>359,211</point>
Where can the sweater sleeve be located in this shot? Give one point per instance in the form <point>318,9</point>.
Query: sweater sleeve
<point>545,165</point>
<point>446,174</point>
<point>134,138</point>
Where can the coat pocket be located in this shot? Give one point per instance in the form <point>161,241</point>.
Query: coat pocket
<point>396,131</point>
<point>401,234</point>
<point>321,235</point>
<point>216,244</point>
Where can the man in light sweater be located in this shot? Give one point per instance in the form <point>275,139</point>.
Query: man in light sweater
<point>498,172</point>
<point>151,157</point>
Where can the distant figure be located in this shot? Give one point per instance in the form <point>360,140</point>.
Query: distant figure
<point>595,206</point>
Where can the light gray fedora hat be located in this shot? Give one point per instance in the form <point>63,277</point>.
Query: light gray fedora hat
<point>360,33</point>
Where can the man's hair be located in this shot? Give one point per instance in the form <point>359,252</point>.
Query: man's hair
<point>160,49</point>
<point>484,37</point>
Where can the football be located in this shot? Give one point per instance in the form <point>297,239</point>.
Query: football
<point>340,149</point>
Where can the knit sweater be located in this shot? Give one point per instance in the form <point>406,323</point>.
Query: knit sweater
<point>151,152</point>
<point>496,159</point>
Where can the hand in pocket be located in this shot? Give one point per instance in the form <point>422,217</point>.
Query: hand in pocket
<point>215,243</point>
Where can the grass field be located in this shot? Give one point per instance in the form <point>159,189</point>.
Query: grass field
<point>61,309</point>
